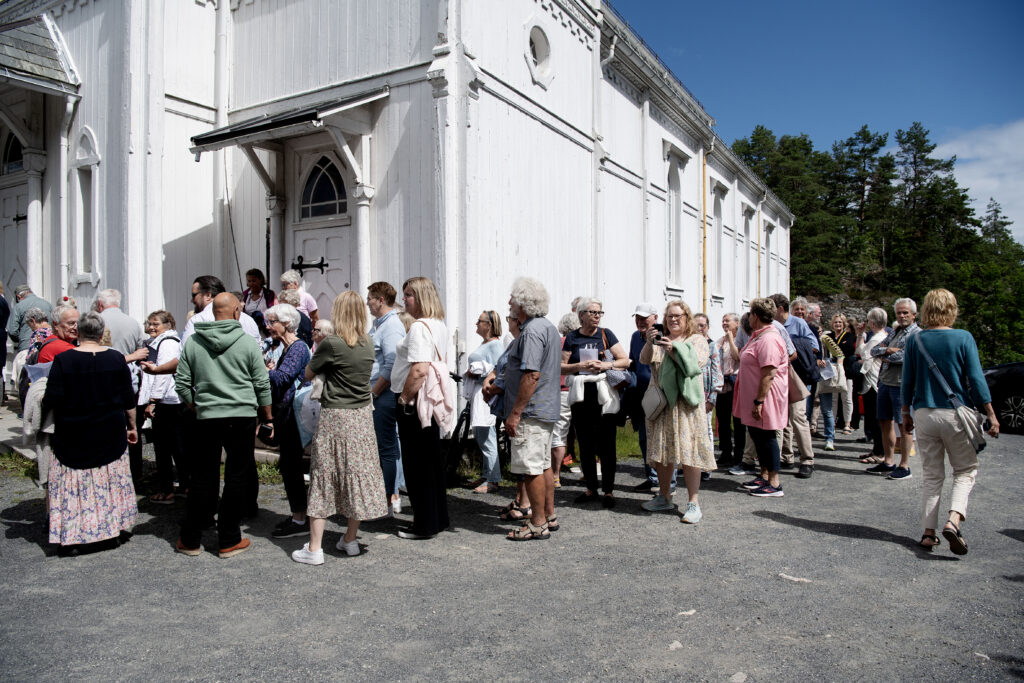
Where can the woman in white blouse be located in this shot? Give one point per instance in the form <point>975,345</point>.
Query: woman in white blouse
<point>163,406</point>
<point>422,459</point>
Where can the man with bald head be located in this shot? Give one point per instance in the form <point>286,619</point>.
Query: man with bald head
<point>222,376</point>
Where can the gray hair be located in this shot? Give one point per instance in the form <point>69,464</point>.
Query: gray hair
<point>878,316</point>
<point>733,317</point>
<point>91,326</point>
<point>21,290</point>
<point>585,302</point>
<point>325,326</point>
<point>290,297</point>
<point>907,301</point>
<point>286,313</point>
<point>813,308</point>
<point>531,296</point>
<point>35,315</point>
<point>567,323</point>
<point>57,314</point>
<point>109,297</point>
<point>291,276</point>
<point>799,301</point>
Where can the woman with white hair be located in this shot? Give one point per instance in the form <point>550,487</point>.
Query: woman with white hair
<point>592,350</point>
<point>291,279</point>
<point>90,491</point>
<point>559,438</point>
<point>480,362</point>
<point>286,375</point>
<point>870,366</point>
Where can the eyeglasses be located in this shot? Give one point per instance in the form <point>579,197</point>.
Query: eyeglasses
<point>271,321</point>
<point>596,314</point>
<point>675,317</point>
<point>193,295</point>
<point>509,319</point>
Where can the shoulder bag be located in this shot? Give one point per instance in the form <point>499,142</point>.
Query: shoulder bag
<point>654,402</point>
<point>970,419</point>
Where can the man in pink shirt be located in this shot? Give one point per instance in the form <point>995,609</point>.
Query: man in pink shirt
<point>760,398</point>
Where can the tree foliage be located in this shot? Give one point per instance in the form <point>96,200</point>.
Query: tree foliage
<point>877,224</point>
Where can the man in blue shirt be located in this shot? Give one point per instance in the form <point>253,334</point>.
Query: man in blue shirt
<point>797,429</point>
<point>387,331</point>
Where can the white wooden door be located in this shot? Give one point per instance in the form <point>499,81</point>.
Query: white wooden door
<point>13,237</point>
<point>336,245</point>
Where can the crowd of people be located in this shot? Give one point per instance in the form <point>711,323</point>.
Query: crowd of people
<point>371,398</point>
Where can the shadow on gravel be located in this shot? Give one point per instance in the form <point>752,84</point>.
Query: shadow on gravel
<point>1016,664</point>
<point>1015,534</point>
<point>851,531</point>
<point>27,521</point>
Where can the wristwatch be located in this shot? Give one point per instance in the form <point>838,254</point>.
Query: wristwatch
<point>758,402</point>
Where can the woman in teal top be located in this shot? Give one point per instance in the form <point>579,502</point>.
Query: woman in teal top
<point>939,432</point>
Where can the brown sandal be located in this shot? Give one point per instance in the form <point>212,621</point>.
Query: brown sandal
<point>162,498</point>
<point>530,533</point>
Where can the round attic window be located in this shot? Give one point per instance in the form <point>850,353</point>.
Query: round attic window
<point>540,49</point>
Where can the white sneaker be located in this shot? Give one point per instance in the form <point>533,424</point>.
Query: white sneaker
<point>830,446</point>
<point>693,514</point>
<point>396,506</point>
<point>350,549</point>
<point>307,556</point>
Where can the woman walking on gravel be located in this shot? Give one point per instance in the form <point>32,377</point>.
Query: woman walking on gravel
<point>344,474</point>
<point>940,370</point>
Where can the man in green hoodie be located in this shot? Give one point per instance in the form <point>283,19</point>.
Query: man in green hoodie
<point>222,376</point>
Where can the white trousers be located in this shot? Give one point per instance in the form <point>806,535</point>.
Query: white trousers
<point>940,435</point>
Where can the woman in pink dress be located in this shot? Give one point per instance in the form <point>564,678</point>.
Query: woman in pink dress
<point>761,397</point>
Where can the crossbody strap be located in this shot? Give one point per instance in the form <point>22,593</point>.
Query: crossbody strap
<point>431,333</point>
<point>950,394</point>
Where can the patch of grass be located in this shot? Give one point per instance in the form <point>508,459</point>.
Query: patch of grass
<point>17,464</point>
<point>627,442</point>
<point>268,473</point>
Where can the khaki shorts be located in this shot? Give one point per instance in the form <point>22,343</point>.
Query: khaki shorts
<point>561,433</point>
<point>531,447</point>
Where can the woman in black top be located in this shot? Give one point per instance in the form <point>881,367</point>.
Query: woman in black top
<point>847,341</point>
<point>586,351</point>
<point>90,491</point>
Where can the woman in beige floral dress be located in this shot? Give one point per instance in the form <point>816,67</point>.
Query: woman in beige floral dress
<point>678,437</point>
<point>344,472</point>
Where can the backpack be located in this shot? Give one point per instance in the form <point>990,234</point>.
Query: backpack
<point>31,359</point>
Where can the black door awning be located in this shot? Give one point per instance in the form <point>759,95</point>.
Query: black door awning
<point>284,124</point>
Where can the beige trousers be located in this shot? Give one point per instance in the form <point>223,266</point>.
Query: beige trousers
<point>798,430</point>
<point>940,435</point>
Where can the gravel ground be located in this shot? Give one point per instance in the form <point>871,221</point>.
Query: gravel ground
<point>825,583</point>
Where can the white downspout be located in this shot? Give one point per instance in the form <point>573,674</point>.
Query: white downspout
<point>220,98</point>
<point>70,103</point>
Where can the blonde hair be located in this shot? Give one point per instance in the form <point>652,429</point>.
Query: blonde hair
<point>406,319</point>
<point>939,308</point>
<point>427,298</point>
<point>690,328</point>
<point>348,318</point>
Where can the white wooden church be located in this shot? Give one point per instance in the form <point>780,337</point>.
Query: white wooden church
<point>147,142</point>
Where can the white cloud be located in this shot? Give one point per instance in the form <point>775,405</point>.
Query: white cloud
<point>990,163</point>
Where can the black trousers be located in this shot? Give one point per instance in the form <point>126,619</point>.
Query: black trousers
<point>135,449</point>
<point>871,427</point>
<point>290,462</point>
<point>425,475</point>
<point>236,436</point>
<point>596,436</point>
<point>732,435</point>
<point>170,454</point>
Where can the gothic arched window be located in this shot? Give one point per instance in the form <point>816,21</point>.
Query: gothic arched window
<point>324,192</point>
<point>12,156</point>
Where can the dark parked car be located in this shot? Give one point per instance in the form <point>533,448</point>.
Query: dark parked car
<point>1006,382</point>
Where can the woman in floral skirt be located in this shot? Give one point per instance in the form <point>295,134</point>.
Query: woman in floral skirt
<point>89,390</point>
<point>344,472</point>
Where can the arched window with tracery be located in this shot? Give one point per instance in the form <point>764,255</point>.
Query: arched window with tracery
<point>12,160</point>
<point>324,191</point>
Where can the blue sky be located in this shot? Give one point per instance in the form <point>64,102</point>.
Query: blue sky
<point>827,68</point>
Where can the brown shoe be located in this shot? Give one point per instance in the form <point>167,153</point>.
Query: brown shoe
<point>191,552</point>
<point>239,547</point>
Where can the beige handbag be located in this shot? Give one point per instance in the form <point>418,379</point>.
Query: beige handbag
<point>797,389</point>
<point>653,402</point>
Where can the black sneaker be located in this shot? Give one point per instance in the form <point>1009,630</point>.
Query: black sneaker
<point>881,468</point>
<point>805,472</point>
<point>289,527</point>
<point>787,465</point>
<point>645,485</point>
